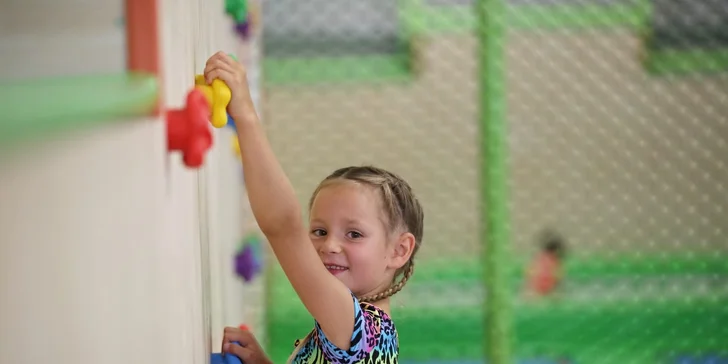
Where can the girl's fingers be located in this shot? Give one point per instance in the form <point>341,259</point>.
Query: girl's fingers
<point>232,334</point>
<point>225,58</point>
<point>221,60</point>
<point>222,66</point>
<point>226,76</point>
<point>239,351</point>
<point>229,336</point>
<point>216,57</point>
<point>217,65</point>
<point>213,63</point>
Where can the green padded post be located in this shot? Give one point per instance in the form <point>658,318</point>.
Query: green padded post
<point>37,107</point>
<point>491,35</point>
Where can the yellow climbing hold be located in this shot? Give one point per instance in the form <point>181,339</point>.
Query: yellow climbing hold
<point>218,96</point>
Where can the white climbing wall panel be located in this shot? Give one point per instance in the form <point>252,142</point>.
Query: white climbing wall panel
<point>111,251</point>
<point>99,229</point>
<point>84,271</point>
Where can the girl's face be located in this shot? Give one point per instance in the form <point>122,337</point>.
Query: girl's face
<point>348,230</point>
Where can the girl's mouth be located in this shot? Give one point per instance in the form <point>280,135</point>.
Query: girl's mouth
<point>335,269</point>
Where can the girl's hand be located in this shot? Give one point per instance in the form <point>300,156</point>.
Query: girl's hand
<point>223,67</point>
<point>249,350</point>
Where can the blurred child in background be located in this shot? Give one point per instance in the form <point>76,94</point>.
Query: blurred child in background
<point>545,271</point>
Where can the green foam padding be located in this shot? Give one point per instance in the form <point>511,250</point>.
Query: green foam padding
<point>37,107</point>
<point>590,333</point>
<point>580,269</point>
<point>592,330</point>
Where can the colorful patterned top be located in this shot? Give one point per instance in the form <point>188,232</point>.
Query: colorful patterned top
<point>374,341</point>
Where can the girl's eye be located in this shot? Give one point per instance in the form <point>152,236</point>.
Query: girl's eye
<point>354,235</point>
<point>318,232</point>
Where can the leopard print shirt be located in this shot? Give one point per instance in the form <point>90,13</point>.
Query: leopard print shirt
<point>374,341</point>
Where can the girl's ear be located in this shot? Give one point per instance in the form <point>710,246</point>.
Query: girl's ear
<point>402,250</point>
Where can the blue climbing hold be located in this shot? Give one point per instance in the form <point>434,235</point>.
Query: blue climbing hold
<point>231,122</point>
<point>220,358</point>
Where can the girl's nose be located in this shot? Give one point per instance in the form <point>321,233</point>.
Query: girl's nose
<point>330,245</point>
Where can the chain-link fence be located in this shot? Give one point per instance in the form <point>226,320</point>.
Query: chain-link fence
<point>614,118</point>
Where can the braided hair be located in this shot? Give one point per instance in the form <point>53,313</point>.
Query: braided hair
<point>401,207</point>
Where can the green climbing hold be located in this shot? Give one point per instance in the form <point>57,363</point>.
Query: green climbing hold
<point>237,9</point>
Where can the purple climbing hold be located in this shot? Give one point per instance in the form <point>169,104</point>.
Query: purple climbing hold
<point>243,29</point>
<point>245,264</point>
<point>249,258</point>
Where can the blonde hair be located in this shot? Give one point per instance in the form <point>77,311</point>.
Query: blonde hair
<point>401,208</point>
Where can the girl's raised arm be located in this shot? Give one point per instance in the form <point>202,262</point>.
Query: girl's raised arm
<point>279,215</point>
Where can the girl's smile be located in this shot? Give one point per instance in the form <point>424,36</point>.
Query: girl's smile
<point>335,269</point>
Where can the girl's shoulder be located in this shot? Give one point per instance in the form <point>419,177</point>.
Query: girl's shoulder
<point>380,322</point>
<point>376,315</point>
<point>374,340</point>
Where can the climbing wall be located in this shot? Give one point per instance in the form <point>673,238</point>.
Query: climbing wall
<point>99,224</point>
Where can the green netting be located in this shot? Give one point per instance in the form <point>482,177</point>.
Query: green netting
<point>605,121</point>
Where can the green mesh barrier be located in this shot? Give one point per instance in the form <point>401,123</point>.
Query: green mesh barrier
<point>583,117</point>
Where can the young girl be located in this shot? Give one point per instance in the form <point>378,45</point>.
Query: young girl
<point>357,250</point>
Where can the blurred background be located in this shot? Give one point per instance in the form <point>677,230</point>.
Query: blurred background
<point>570,155</point>
<point>603,122</point>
